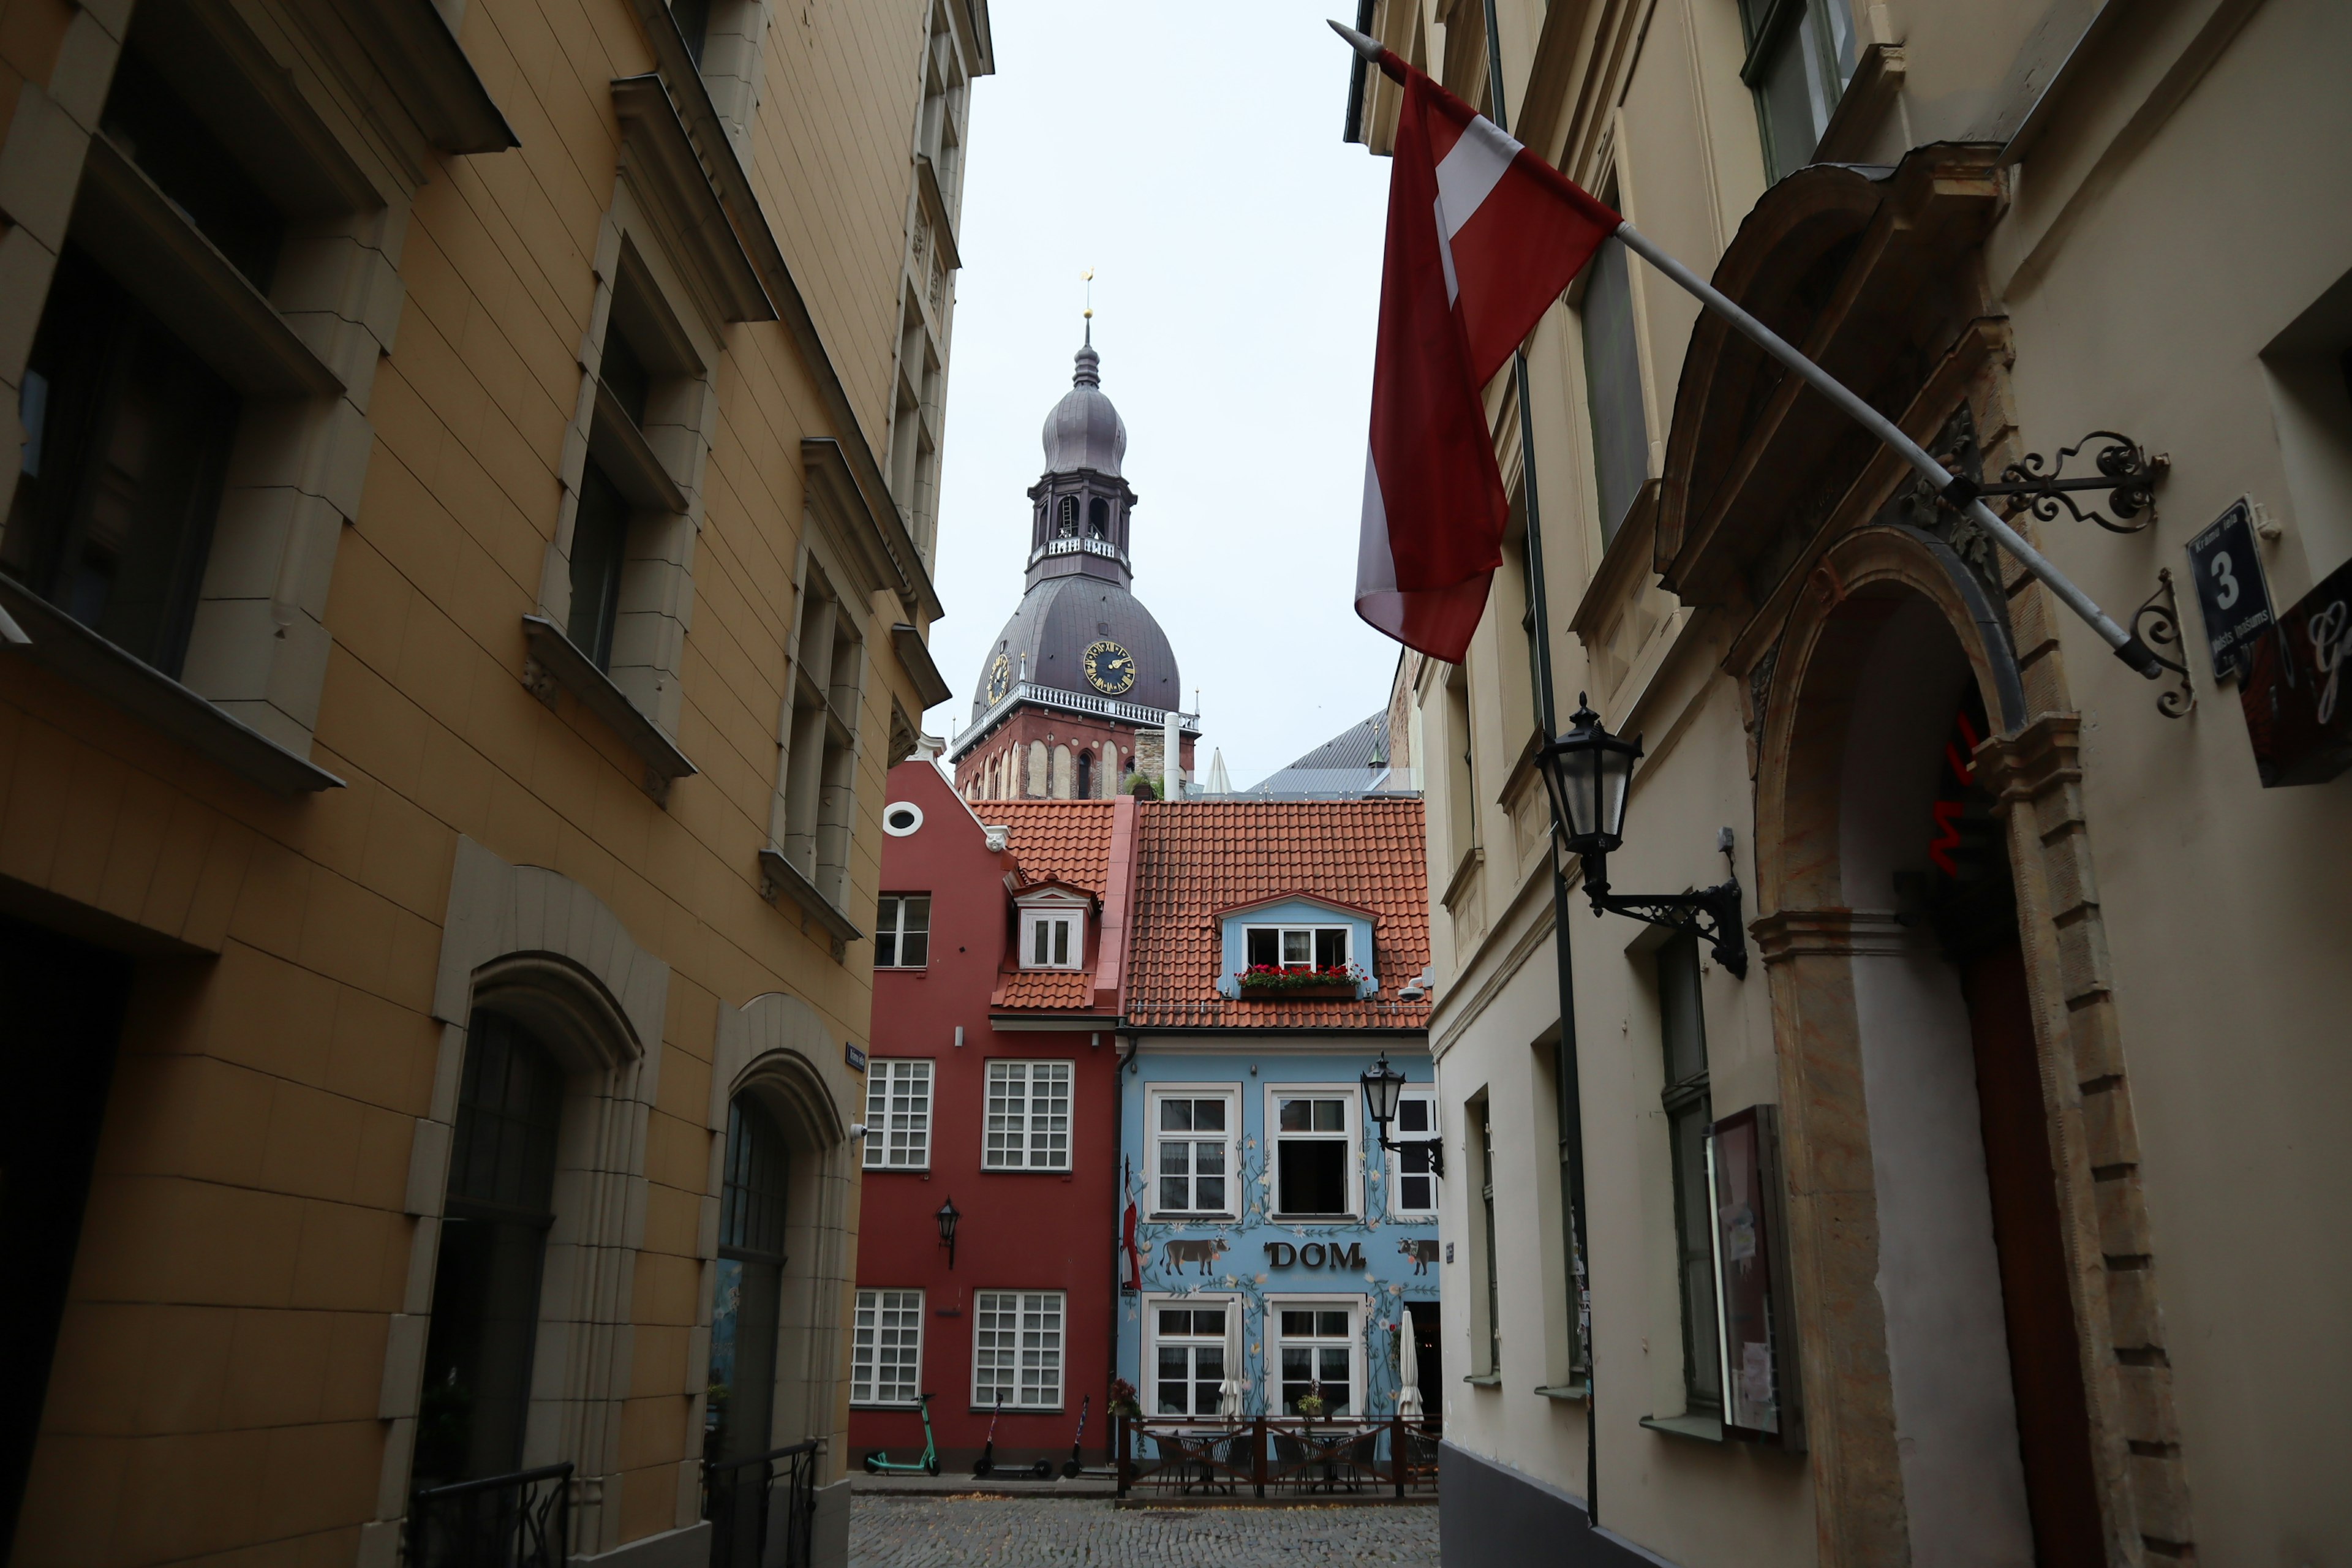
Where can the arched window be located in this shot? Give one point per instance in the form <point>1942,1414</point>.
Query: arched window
<point>477,1356</point>
<point>743,1318</point>
<point>1086,774</point>
<point>1098,519</point>
<point>1067,518</point>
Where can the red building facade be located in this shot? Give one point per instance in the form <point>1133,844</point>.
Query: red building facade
<point>991,1087</point>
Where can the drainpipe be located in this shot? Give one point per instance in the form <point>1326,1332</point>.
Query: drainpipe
<point>1571,1089</point>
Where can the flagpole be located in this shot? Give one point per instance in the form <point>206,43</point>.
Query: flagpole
<point>1570,1086</point>
<point>1956,489</point>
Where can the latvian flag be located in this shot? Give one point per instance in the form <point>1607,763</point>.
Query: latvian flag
<point>1483,236</point>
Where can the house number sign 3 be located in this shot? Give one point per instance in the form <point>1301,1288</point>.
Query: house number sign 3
<point>2230,588</point>
<point>1315,1255</point>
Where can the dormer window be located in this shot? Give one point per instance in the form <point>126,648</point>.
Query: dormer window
<point>1297,947</point>
<point>1053,939</point>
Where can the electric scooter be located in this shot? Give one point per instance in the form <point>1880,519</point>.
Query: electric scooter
<point>1074,1467</point>
<point>879,1463</point>
<point>985,1464</point>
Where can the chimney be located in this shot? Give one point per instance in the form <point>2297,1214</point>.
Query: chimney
<point>1171,756</point>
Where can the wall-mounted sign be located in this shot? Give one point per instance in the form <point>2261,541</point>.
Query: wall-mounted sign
<point>1315,1255</point>
<point>1759,1364</point>
<point>2293,693</point>
<point>854,1056</point>
<point>2230,589</point>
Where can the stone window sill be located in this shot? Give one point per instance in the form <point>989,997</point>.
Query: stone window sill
<point>67,648</point>
<point>779,875</point>
<point>560,665</point>
<point>1483,1379</point>
<point>1577,1392</point>
<point>1695,1428</point>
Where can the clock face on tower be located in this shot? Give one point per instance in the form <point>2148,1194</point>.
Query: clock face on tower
<point>1110,668</point>
<point>1000,679</point>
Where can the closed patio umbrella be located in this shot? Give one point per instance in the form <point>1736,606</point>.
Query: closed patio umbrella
<point>1408,1368</point>
<point>1231,1393</point>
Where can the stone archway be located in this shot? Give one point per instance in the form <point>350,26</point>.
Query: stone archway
<point>1908,1262</point>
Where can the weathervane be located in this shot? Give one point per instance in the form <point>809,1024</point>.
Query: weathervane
<point>1089,276</point>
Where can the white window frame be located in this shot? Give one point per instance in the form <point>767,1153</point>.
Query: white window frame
<point>1150,1367</point>
<point>1045,916</point>
<point>890,920</point>
<point>865,1385</point>
<point>1396,1171</point>
<point>881,1074</point>
<point>1029,1071</point>
<point>1347,943</point>
<point>1231,1093</point>
<point>983,1354</point>
<point>1275,1093</point>
<point>1355,1307</point>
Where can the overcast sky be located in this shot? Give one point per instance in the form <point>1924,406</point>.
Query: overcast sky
<point>1235,241</point>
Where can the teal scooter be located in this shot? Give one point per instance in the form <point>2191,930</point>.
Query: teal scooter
<point>879,1463</point>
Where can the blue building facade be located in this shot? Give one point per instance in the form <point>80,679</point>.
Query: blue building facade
<point>1267,1238</point>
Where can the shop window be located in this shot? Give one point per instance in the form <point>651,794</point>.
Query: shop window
<point>1193,1144</point>
<point>902,931</point>
<point>1188,1361</point>
<point>1296,947</point>
<point>1612,385</point>
<point>885,1365</point>
<point>1028,1117</point>
<point>127,434</point>
<point>897,1114</point>
<point>494,1226</point>
<point>1688,1108</point>
<point>1316,1350</point>
<point>1800,57</point>
<point>1413,1186</point>
<point>750,1294</point>
<point>1314,1144</point>
<point>1016,1349</point>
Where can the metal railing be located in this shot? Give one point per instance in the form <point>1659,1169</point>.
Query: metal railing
<point>518,1520</point>
<point>1029,691</point>
<point>741,1498</point>
<point>1280,1454</point>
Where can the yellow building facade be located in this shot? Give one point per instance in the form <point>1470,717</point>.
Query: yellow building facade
<point>1971,1223</point>
<point>468,578</point>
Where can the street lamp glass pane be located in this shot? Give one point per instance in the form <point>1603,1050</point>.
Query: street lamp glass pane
<point>1616,772</point>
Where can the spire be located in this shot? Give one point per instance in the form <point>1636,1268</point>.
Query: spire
<point>1089,276</point>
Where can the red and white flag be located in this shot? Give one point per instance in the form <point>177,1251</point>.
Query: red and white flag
<point>1483,236</point>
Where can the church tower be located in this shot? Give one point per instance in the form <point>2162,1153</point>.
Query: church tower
<point>1077,692</point>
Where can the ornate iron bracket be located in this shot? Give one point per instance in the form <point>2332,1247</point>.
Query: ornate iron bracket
<point>2156,623</point>
<point>1711,914</point>
<point>1436,1151</point>
<point>2125,471</point>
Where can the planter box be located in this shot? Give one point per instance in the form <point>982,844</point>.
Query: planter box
<point>1342,993</point>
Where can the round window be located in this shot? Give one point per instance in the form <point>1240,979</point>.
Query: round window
<point>902,817</point>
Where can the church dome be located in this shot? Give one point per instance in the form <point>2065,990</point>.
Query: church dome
<point>1054,624</point>
<point>1084,431</point>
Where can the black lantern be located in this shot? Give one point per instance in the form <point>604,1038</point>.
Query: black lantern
<point>1383,1086</point>
<point>946,1216</point>
<point>1589,771</point>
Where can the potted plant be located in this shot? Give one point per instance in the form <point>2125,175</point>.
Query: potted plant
<point>1123,1400</point>
<point>1311,1403</point>
<point>1271,982</point>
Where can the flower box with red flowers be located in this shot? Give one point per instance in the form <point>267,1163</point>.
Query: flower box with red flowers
<point>1266,982</point>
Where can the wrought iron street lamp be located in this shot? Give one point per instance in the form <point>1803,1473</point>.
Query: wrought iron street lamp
<point>1587,771</point>
<point>1383,1086</point>
<point>946,1216</point>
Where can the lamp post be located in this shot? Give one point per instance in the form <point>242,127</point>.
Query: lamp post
<point>1383,1086</point>
<point>1587,773</point>
<point>946,1216</point>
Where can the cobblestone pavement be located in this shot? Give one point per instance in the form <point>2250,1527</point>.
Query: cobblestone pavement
<point>1016,1532</point>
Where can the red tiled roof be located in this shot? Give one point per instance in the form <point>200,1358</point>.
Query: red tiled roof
<point>1194,856</point>
<point>1066,840</point>
<point>1053,990</point>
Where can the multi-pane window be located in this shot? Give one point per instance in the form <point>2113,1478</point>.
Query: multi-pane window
<point>902,931</point>
<point>1486,1236</point>
<point>1415,1192</point>
<point>1053,939</point>
<point>749,1285</point>
<point>1193,1152</point>
<point>819,740</point>
<point>600,544</point>
<point>1313,1140</point>
<point>886,1363</point>
<point>1028,1124</point>
<point>1188,1362</point>
<point>1613,386</point>
<point>1316,1350</point>
<point>1688,1112</point>
<point>897,1114</point>
<point>1296,947</point>
<point>1800,57</point>
<point>1016,1349</point>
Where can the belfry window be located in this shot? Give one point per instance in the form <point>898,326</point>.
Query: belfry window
<point>1098,519</point>
<point>1066,524</point>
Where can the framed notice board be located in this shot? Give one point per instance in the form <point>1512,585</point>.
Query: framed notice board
<point>1755,1318</point>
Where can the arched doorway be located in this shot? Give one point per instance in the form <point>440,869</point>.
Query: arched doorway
<point>1886,835</point>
